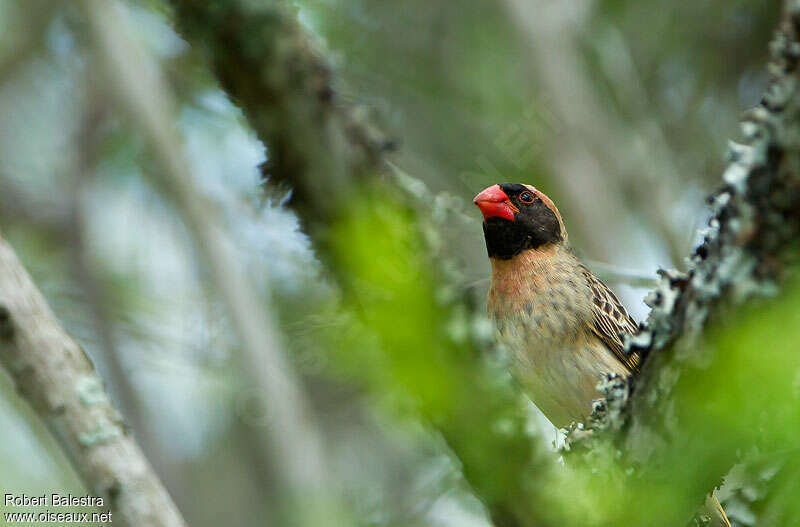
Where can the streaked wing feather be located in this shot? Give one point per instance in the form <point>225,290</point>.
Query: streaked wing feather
<point>610,320</point>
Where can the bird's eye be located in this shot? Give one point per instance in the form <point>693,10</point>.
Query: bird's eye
<point>526,197</point>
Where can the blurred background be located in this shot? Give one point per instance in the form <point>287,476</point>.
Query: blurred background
<point>619,110</point>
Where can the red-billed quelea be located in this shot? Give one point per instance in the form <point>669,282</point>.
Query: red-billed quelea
<point>562,327</point>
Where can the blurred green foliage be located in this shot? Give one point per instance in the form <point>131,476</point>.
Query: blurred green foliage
<point>425,356</point>
<point>454,84</point>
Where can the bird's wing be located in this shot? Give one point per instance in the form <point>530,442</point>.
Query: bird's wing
<point>610,320</point>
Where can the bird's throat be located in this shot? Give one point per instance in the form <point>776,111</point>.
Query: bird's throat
<point>506,239</point>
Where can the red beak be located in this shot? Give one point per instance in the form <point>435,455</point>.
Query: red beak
<point>494,203</point>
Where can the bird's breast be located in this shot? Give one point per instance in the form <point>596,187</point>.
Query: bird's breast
<point>543,320</point>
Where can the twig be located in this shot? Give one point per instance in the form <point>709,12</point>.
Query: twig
<point>54,375</point>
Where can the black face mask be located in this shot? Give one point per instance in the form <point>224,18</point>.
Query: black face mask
<point>533,226</point>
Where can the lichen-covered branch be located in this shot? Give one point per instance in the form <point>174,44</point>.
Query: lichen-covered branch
<point>669,415</point>
<point>755,223</point>
<point>53,374</point>
<point>266,62</point>
<point>379,244</point>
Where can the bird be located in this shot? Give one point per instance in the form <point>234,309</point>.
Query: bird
<point>562,327</point>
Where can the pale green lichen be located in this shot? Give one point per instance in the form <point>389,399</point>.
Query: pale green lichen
<point>90,390</point>
<point>103,432</point>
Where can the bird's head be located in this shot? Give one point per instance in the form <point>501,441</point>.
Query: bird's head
<point>518,218</point>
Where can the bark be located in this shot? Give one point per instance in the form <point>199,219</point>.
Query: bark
<point>54,375</point>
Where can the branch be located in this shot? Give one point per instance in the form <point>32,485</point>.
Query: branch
<point>267,64</point>
<point>357,216</point>
<point>755,221</point>
<point>54,375</point>
<point>696,363</point>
